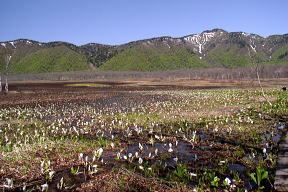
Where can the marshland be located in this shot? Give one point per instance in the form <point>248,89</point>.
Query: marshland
<point>141,135</point>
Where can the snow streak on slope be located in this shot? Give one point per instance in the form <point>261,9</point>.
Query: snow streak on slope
<point>253,47</point>
<point>12,43</point>
<point>200,40</point>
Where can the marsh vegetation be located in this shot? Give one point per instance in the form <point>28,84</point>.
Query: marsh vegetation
<point>140,138</point>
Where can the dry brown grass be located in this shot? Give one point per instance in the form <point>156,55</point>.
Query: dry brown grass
<point>199,83</point>
<point>124,180</point>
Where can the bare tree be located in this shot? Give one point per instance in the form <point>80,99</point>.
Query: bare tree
<point>0,84</point>
<point>8,59</point>
<point>7,62</point>
<point>256,61</point>
<point>6,86</point>
<point>260,85</point>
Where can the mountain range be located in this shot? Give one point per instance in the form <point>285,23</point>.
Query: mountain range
<point>209,49</point>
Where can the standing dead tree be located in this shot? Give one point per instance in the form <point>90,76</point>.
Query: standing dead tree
<point>8,57</point>
<point>260,85</point>
<point>7,61</point>
<point>0,84</point>
<point>255,62</point>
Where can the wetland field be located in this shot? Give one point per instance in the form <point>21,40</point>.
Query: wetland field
<point>141,135</point>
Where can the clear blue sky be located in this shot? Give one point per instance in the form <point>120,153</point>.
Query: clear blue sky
<point>121,21</point>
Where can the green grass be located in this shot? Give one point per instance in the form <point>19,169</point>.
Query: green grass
<point>153,59</point>
<point>56,59</point>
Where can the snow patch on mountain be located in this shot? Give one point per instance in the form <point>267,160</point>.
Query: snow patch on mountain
<point>3,44</point>
<point>246,34</point>
<point>253,46</point>
<point>200,40</point>
<point>12,43</point>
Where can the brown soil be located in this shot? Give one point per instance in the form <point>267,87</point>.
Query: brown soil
<point>23,93</point>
